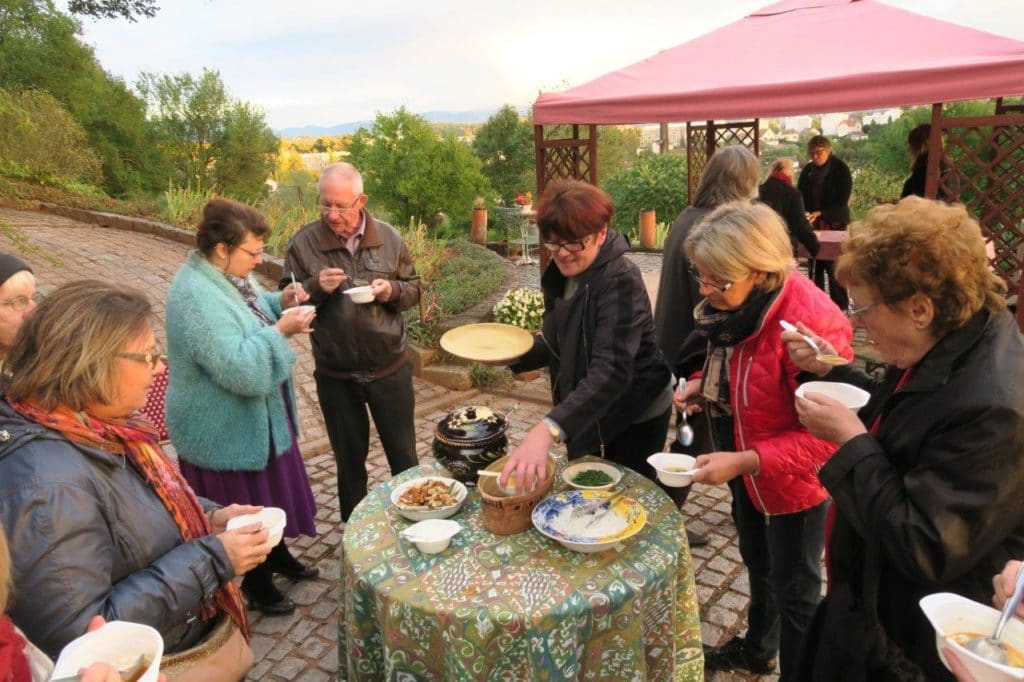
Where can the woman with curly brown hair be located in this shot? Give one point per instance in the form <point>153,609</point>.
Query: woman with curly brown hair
<point>927,481</point>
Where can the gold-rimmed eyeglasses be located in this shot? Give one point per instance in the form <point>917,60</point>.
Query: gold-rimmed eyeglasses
<point>855,313</point>
<point>151,359</point>
<point>720,288</point>
<point>252,254</point>
<point>327,209</point>
<point>22,303</point>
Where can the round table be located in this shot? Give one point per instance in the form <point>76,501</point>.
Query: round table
<point>516,607</point>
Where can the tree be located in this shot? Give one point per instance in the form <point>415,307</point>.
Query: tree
<point>658,182</point>
<point>112,9</point>
<point>504,144</point>
<point>413,172</point>
<point>210,138</point>
<point>40,49</point>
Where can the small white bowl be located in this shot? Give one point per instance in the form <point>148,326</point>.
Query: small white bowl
<point>576,469</point>
<point>672,468</point>
<point>272,518</point>
<point>851,396</point>
<point>299,310</point>
<point>432,535</point>
<point>422,514</point>
<point>118,643</point>
<point>951,614</point>
<point>360,294</point>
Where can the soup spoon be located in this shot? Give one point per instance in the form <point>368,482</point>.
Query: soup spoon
<point>827,358</point>
<point>990,647</point>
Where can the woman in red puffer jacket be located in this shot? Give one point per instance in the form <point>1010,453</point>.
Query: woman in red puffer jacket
<point>744,381</point>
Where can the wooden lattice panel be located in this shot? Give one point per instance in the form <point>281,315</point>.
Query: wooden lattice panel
<point>562,153</point>
<point>696,156</point>
<point>985,157</point>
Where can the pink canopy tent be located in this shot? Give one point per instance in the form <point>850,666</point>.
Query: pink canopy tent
<point>868,55</point>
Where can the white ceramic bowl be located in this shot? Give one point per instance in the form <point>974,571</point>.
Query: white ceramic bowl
<point>118,643</point>
<point>851,396</point>
<point>272,518</point>
<point>299,310</point>
<point>432,535</point>
<point>360,294</point>
<point>423,514</point>
<point>952,614</point>
<point>672,468</point>
<point>576,469</point>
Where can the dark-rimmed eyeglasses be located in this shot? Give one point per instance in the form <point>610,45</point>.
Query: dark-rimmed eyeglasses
<point>720,288</point>
<point>855,313</point>
<point>22,303</point>
<point>571,247</point>
<point>253,254</point>
<point>151,359</point>
<point>327,209</point>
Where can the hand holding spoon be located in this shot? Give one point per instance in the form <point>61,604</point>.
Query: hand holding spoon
<point>826,358</point>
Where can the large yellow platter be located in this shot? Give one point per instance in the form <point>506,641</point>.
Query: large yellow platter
<point>487,342</point>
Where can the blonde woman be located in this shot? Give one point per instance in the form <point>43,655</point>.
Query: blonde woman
<point>744,384</point>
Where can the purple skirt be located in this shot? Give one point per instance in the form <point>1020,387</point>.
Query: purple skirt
<point>283,483</point>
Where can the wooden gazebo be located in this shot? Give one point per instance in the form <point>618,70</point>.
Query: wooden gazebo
<point>720,83</point>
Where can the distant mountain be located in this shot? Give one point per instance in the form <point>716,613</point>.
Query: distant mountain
<point>475,116</point>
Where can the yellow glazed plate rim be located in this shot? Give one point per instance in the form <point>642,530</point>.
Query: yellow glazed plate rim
<point>487,342</point>
<point>551,508</point>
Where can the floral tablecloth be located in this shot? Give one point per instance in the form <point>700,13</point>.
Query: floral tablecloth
<point>517,607</point>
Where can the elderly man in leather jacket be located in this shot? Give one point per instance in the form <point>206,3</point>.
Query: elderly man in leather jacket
<point>358,349</point>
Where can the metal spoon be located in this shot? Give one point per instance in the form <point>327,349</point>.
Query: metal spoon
<point>684,432</point>
<point>990,647</point>
<point>827,358</point>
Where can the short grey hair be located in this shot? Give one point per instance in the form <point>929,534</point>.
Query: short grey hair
<point>782,165</point>
<point>343,171</point>
<point>741,237</point>
<point>731,174</point>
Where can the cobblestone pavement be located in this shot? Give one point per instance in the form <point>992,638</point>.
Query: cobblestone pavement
<point>303,646</point>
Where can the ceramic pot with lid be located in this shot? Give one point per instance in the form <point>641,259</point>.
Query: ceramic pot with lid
<point>468,439</point>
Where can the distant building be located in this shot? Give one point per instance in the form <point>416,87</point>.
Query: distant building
<point>797,123</point>
<point>882,117</point>
<point>315,161</point>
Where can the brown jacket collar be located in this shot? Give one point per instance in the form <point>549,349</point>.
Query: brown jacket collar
<point>328,239</point>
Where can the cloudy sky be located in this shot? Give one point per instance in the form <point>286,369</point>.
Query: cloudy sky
<point>324,62</point>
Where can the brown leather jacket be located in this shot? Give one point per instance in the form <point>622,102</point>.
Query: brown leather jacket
<point>353,341</point>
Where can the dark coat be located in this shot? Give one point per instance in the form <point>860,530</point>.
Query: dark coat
<point>351,340</point>
<point>788,203</point>
<point>606,368</point>
<point>89,537</point>
<point>678,291</point>
<point>835,192</point>
<point>930,504</point>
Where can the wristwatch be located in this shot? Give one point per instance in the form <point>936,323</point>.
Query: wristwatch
<point>555,430</point>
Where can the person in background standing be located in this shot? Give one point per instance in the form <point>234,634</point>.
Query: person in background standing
<point>778,192</point>
<point>18,298</point>
<point>826,184</point>
<point>359,349</point>
<point>731,174</point>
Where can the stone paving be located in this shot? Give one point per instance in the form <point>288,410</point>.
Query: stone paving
<point>302,646</point>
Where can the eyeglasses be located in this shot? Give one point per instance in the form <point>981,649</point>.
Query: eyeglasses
<point>855,313</point>
<point>720,288</point>
<point>151,359</point>
<point>327,209</point>
<point>253,254</point>
<point>22,303</point>
<point>571,247</point>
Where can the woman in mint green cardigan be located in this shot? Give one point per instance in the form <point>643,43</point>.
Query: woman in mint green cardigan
<point>230,404</point>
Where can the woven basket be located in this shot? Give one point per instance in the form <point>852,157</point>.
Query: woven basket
<point>508,514</point>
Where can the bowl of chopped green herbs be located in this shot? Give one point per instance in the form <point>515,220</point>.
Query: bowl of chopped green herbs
<point>592,475</point>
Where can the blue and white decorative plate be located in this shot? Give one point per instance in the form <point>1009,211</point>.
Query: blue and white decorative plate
<point>553,517</point>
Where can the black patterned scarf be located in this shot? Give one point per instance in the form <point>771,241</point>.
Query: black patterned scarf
<point>723,329</point>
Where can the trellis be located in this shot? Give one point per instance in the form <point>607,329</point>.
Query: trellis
<point>703,140</point>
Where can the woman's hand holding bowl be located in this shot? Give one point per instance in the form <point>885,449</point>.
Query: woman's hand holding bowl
<point>801,353</point>
<point>687,397</point>
<point>297,322</point>
<point>827,418</point>
<point>721,467</point>
<point>247,547</point>
<point>530,460</point>
<point>219,517</point>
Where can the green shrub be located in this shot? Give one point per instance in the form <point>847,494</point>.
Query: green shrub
<point>41,139</point>
<point>183,206</point>
<point>658,182</point>
<point>872,185</point>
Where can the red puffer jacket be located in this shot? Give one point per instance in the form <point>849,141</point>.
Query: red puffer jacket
<point>762,380</point>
